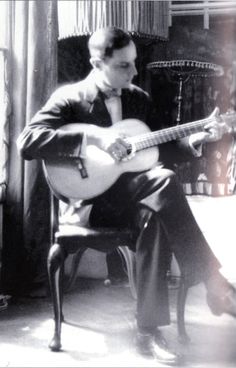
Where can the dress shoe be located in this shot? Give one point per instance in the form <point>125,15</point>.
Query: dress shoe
<point>155,346</point>
<point>223,304</point>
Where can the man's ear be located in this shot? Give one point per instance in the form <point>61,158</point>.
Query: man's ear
<point>95,62</point>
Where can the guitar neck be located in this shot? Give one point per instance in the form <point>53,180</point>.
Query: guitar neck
<point>152,139</point>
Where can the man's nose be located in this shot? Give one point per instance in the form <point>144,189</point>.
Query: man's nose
<point>135,72</point>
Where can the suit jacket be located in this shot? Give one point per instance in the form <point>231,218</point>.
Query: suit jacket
<point>82,102</point>
<point>74,103</point>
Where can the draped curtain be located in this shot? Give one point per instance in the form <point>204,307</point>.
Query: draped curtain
<point>145,18</point>
<point>32,60</point>
<point>4,112</point>
<point>4,102</point>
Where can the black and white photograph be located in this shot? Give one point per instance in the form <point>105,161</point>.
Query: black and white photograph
<point>118,183</point>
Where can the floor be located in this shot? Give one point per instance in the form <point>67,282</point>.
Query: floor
<point>100,329</point>
<point>100,325</point>
<point>216,218</point>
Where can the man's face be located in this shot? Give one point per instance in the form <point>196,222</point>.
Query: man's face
<point>118,71</point>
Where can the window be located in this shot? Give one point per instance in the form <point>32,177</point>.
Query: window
<point>204,8</point>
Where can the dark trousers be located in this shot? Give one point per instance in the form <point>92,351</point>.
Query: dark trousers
<point>154,205</point>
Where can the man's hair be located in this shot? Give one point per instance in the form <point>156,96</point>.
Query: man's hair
<point>104,41</point>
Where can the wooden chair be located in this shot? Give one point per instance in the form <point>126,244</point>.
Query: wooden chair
<point>70,239</point>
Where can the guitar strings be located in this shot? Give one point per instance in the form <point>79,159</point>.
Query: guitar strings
<point>150,139</point>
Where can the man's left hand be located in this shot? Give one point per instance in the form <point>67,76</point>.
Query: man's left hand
<point>213,132</point>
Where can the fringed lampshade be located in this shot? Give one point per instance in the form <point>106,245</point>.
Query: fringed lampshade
<point>144,18</point>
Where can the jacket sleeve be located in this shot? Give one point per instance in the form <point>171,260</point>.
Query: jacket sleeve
<point>42,137</point>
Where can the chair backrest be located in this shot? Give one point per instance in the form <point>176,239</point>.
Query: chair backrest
<point>54,216</point>
<point>54,207</point>
<point>56,200</point>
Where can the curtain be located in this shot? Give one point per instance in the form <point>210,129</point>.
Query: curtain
<point>4,102</point>
<point>145,18</point>
<point>32,47</point>
<point>4,113</point>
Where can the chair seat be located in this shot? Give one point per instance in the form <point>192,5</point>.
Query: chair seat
<point>105,239</point>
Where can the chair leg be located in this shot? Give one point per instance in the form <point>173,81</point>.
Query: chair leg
<point>56,258</point>
<point>181,301</point>
<point>75,264</point>
<point>129,257</point>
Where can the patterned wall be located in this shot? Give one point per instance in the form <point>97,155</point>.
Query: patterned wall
<point>214,172</point>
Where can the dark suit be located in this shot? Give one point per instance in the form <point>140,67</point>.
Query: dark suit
<point>153,197</point>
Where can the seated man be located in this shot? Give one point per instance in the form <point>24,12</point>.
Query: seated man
<point>150,200</point>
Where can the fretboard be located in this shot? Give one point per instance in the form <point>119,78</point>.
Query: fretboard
<point>152,139</point>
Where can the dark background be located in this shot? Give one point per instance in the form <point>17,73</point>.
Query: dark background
<point>187,40</point>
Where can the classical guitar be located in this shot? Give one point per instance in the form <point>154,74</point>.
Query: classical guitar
<point>100,171</point>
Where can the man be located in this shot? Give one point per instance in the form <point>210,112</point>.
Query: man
<point>151,201</point>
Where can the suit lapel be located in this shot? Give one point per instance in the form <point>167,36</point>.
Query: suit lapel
<point>97,111</point>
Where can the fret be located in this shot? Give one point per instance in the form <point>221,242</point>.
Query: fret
<point>152,139</point>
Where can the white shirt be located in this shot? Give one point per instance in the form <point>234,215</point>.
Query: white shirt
<point>113,103</point>
<point>114,108</point>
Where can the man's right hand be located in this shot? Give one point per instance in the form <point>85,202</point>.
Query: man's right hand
<point>112,143</point>
<point>119,149</point>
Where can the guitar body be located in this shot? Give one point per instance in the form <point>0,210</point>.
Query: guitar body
<point>102,170</point>
<point>65,178</point>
